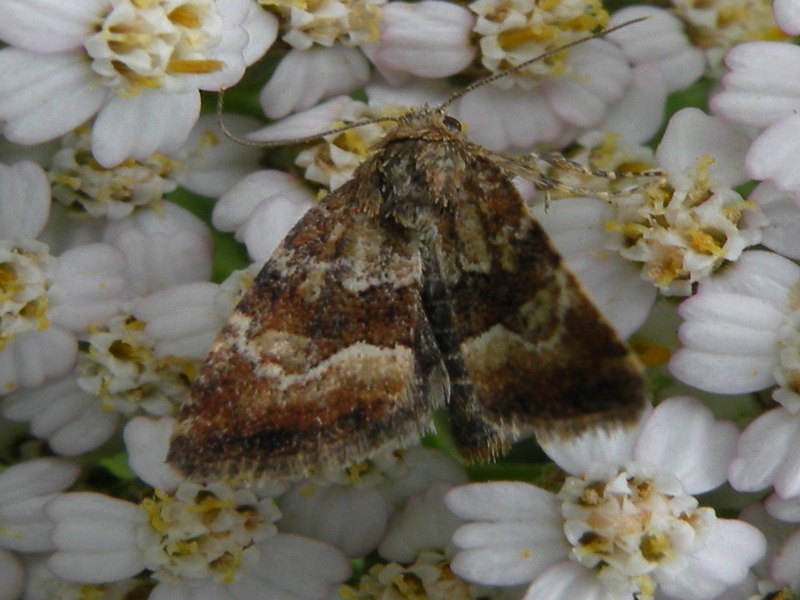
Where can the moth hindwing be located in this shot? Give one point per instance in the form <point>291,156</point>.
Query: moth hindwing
<point>422,282</point>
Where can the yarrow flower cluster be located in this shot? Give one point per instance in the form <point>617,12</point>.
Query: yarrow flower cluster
<point>131,224</point>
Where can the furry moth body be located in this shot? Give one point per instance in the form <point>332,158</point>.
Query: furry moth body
<point>423,282</point>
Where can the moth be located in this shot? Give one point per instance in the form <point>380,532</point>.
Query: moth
<point>422,283</point>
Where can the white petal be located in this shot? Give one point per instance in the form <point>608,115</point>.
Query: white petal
<point>44,96</point>
<point>729,549</point>
<point>682,437</point>
<point>24,200</point>
<point>501,501</point>
<point>568,579</point>
<point>351,518</point>
<point>787,16</point>
<point>534,537</point>
<point>787,478</point>
<point>427,39</point>
<point>424,523</point>
<point>12,576</point>
<point>661,41</point>
<point>690,134</point>
<point>575,455</point>
<point>88,286</point>
<point>262,30</point>
<point>46,26</point>
<point>785,566</point>
<point>785,510</point>
<point>599,75</point>
<point>504,565</point>
<point>147,443</point>
<point>310,122</point>
<point>31,358</point>
<point>96,567</point>
<point>783,229</point>
<point>756,463</point>
<point>89,506</point>
<point>162,247</point>
<point>36,477</point>
<point>305,77</point>
<point>301,566</point>
<point>137,127</point>
<point>59,411</point>
<point>87,431</point>
<point>575,226</point>
<point>763,86</point>
<point>770,155</point>
<point>638,115</point>
<point>181,319</point>
<point>270,222</point>
<point>213,169</point>
<point>501,119</point>
<point>758,274</point>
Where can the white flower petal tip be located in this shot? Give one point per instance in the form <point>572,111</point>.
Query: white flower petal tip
<point>31,358</point>
<point>162,247</point>
<point>424,523</point>
<point>305,77</point>
<point>660,40</point>
<point>95,538</point>
<point>697,453</point>
<point>426,39</point>
<point>24,200</point>
<point>25,488</point>
<point>147,443</point>
<point>732,327</point>
<point>262,218</point>
<point>691,134</point>
<point>758,465</point>
<point>182,319</point>
<point>59,411</point>
<point>89,286</point>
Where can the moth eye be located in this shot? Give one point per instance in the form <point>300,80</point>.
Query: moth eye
<point>452,123</point>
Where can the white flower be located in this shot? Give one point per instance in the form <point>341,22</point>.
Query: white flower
<point>25,488</point>
<point>760,91</point>
<point>350,508</point>
<point>137,68</point>
<point>199,542</point>
<point>162,247</point>
<point>719,25</point>
<point>624,522</point>
<point>659,40</point>
<point>351,22</point>
<point>261,209</point>
<point>305,77</point>
<point>740,330</point>
<point>207,163</point>
<point>426,39</point>
<point>575,226</point>
<point>61,412</point>
<point>685,228</point>
<point>45,300</point>
<point>423,524</point>
<point>782,215</point>
<point>786,15</point>
<point>181,319</point>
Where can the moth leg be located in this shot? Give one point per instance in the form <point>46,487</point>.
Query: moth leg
<point>528,168</point>
<point>562,162</point>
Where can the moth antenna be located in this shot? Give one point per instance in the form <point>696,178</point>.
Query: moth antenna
<point>300,140</point>
<point>545,55</point>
